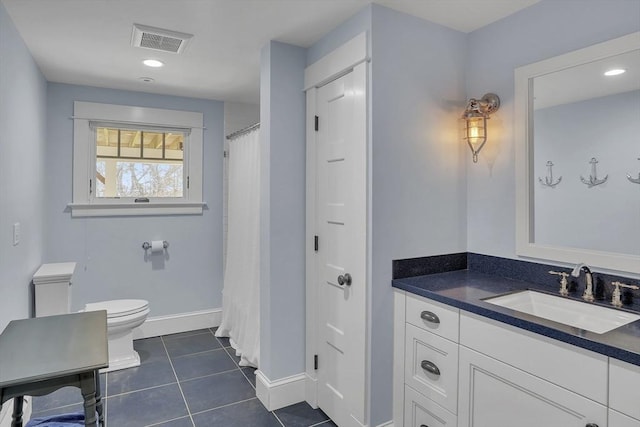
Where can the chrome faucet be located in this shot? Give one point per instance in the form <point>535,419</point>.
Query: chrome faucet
<point>588,291</point>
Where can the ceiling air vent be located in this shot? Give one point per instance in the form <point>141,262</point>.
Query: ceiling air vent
<point>159,39</point>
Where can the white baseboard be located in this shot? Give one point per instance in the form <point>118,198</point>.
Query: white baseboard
<point>280,393</point>
<point>175,323</point>
<point>311,391</point>
<point>7,411</point>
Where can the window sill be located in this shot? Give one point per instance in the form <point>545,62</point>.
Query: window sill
<point>131,209</point>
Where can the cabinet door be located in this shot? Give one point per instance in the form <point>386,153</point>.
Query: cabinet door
<point>616,419</point>
<point>624,391</point>
<point>422,412</point>
<point>493,394</point>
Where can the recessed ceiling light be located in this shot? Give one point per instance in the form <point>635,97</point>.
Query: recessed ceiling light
<point>146,79</point>
<point>614,72</point>
<point>153,63</point>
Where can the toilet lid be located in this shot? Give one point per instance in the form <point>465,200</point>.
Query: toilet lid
<point>119,307</point>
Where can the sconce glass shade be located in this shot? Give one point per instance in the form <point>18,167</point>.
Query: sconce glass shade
<point>476,134</point>
<point>475,117</point>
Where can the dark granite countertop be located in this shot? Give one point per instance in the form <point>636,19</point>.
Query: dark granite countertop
<point>466,290</point>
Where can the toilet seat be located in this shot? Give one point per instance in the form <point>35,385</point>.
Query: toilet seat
<point>119,308</point>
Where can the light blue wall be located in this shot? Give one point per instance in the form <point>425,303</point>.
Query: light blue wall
<point>358,23</point>
<point>546,29</point>
<point>108,251</point>
<point>282,276</point>
<point>22,170</point>
<point>418,175</point>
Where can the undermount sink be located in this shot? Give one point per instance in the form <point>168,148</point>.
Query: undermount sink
<point>590,317</point>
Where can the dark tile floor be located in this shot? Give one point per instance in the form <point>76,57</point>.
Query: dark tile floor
<point>184,380</point>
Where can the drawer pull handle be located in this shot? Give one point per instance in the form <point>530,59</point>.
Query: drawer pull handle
<point>591,425</point>
<point>430,367</point>
<point>430,317</point>
<point>423,425</point>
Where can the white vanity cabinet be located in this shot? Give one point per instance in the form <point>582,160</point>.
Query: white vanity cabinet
<point>512,377</point>
<point>497,375</point>
<point>425,362</point>
<point>624,394</point>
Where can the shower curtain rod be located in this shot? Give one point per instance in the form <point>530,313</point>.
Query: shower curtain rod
<point>243,131</point>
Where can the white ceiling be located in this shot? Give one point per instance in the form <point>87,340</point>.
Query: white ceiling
<point>87,42</point>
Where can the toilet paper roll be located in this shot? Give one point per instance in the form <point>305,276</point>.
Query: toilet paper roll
<point>157,246</point>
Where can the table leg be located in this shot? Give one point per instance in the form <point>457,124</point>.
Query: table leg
<point>99,399</point>
<point>17,411</point>
<point>88,388</point>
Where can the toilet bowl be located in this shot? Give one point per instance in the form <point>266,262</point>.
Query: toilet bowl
<point>122,317</point>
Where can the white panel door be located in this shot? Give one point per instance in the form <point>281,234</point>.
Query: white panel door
<point>342,209</point>
<point>494,394</point>
<point>616,419</point>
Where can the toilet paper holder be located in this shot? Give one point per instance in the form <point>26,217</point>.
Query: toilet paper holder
<point>147,245</point>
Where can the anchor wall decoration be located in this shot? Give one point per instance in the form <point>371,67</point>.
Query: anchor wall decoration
<point>593,178</point>
<point>548,180</point>
<point>634,180</point>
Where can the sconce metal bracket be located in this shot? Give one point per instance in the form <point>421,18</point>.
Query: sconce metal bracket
<point>490,103</point>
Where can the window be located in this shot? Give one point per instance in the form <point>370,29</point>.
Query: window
<point>136,161</point>
<point>139,163</point>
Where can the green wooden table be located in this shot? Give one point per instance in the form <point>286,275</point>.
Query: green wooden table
<point>43,354</point>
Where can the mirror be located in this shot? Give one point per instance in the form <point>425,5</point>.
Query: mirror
<point>578,157</point>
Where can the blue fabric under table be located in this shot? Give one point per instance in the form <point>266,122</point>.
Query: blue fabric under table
<point>64,420</point>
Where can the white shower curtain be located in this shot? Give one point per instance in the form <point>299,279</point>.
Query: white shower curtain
<point>241,292</point>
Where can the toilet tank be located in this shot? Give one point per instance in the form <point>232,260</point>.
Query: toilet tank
<point>52,284</point>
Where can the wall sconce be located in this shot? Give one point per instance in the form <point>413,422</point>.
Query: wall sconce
<point>475,121</point>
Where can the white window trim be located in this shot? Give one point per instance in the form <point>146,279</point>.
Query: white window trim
<point>84,205</point>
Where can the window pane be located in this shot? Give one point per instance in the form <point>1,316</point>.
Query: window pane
<point>100,178</point>
<point>152,142</point>
<point>139,179</point>
<point>130,143</point>
<point>174,146</point>
<point>107,142</point>
<point>107,137</point>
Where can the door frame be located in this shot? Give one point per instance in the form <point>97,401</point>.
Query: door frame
<point>332,66</point>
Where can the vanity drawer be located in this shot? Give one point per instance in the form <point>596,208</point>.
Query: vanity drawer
<point>420,411</point>
<point>431,366</point>
<point>624,383</point>
<point>433,316</point>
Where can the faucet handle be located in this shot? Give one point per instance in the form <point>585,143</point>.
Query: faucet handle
<point>615,297</point>
<point>563,281</point>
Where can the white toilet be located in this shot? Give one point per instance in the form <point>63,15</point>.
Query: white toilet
<point>52,293</point>
<point>123,316</point>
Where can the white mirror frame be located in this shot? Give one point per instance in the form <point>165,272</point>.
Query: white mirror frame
<point>525,181</point>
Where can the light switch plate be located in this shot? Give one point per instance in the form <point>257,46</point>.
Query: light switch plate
<point>16,234</point>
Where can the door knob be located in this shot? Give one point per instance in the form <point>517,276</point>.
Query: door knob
<point>344,280</point>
